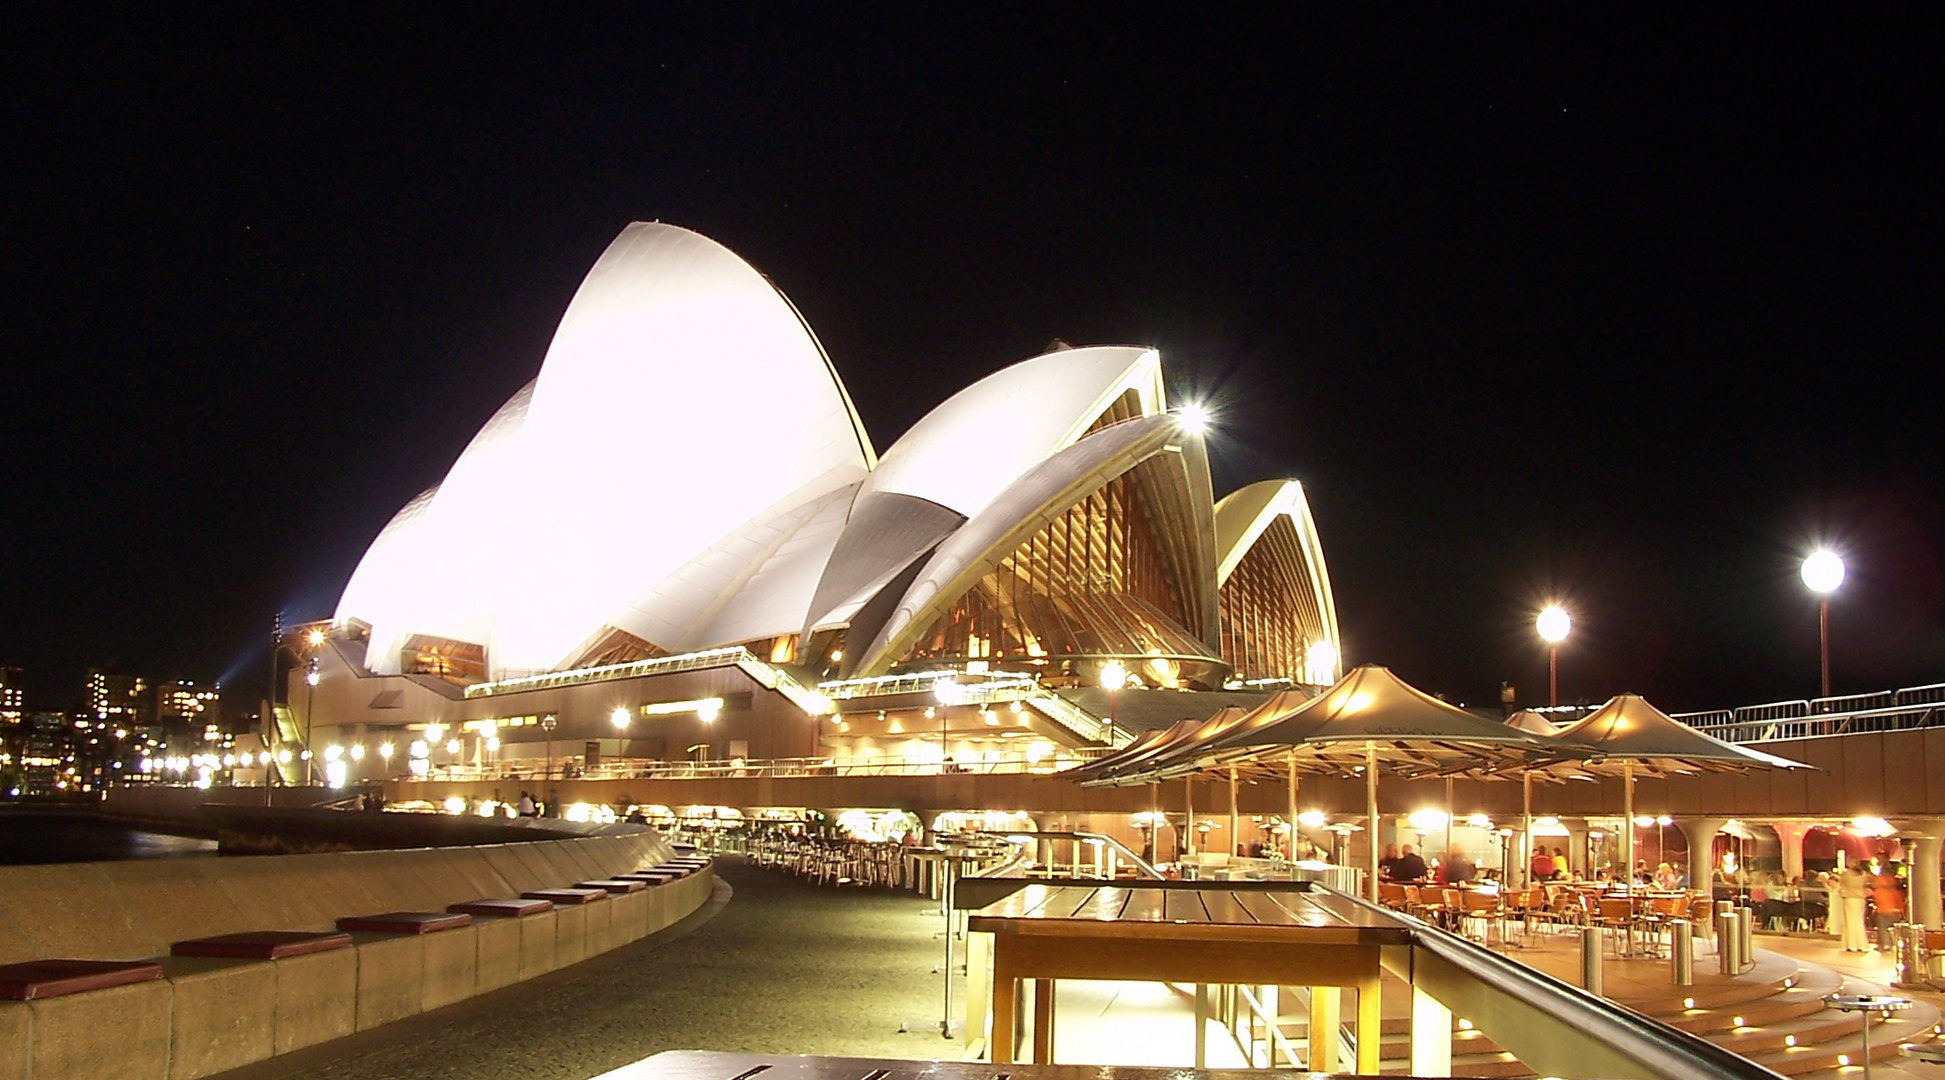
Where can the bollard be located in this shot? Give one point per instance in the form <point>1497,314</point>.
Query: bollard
<point>1910,968</point>
<point>1728,943</point>
<point>1745,939</point>
<point>1681,953</point>
<point>1590,959</point>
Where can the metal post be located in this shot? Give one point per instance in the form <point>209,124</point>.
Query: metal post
<point>1553,676</point>
<point>1728,942</point>
<point>1235,826</point>
<point>1627,826</point>
<point>1681,953</point>
<point>1910,969</point>
<point>945,1020</point>
<point>1745,937</point>
<point>1590,959</point>
<point>1293,806</point>
<point>1371,817</point>
<point>1823,644</point>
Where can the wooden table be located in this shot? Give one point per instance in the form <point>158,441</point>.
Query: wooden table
<point>1202,935</point>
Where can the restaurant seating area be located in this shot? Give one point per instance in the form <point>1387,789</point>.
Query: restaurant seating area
<point>1634,924</point>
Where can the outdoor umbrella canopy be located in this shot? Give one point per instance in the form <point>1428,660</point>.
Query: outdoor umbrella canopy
<point>1533,723</point>
<point>1628,735</point>
<point>1178,757</point>
<point>1143,744</point>
<point>1369,720</point>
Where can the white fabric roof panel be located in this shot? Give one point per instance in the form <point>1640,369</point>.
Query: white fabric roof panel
<point>962,454</point>
<point>682,396</point>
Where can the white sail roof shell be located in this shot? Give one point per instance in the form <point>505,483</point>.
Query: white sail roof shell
<point>682,396</point>
<point>962,454</point>
<point>430,582</point>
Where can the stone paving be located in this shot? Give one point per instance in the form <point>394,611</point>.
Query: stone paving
<point>787,967</point>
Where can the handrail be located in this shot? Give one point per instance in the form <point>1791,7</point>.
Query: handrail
<point>1661,1050</point>
<point>1141,865</point>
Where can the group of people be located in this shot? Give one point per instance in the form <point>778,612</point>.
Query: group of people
<point>1851,889</point>
<point>1403,865</point>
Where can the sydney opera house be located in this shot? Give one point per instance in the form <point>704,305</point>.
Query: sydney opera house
<point>679,542</point>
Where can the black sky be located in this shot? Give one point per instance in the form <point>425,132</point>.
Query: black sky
<point>1627,312</point>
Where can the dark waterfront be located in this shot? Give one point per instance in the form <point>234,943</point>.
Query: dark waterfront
<point>31,837</point>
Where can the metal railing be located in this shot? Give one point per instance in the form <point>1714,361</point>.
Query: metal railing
<point>1882,710</point>
<point>763,768</point>
<point>767,675</point>
<point>1000,688</point>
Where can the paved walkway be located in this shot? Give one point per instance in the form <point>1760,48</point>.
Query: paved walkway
<point>785,968</point>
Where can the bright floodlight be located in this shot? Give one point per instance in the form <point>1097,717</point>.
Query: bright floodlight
<point>385,750</point>
<point>708,709</point>
<point>1823,571</point>
<point>1194,418</point>
<point>619,718</point>
<point>1553,624</point>
<point>315,637</point>
<point>948,691</point>
<point>1113,675</point>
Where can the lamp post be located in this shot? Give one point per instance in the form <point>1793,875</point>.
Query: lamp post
<point>1113,678</point>
<point>948,692</point>
<point>310,711</point>
<point>547,724</point>
<point>1822,572</point>
<point>1553,625</point>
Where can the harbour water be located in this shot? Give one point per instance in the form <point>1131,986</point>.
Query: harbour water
<point>28,838</point>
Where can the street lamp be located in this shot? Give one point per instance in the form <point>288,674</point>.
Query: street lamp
<point>310,711</point>
<point>1113,678</point>
<point>1822,572</point>
<point>1553,625</point>
<point>547,724</point>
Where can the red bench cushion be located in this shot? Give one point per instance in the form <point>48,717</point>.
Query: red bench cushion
<point>613,885</point>
<point>261,944</point>
<point>501,908</point>
<point>37,979</point>
<point>567,896</point>
<point>407,922</point>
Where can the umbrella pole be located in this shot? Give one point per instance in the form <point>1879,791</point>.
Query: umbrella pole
<point>1371,817</point>
<point>1627,821</point>
<point>1292,819</point>
<point>1235,837</point>
<point>1450,846</point>
<point>1526,809</point>
<point>1188,811</point>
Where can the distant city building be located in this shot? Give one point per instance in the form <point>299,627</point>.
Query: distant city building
<point>13,703</point>
<point>117,698</point>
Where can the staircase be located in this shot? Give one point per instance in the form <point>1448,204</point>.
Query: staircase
<point>1774,1015</point>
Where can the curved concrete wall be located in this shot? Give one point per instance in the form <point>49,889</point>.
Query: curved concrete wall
<point>207,1016</point>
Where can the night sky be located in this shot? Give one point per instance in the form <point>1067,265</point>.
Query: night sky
<point>1632,314</point>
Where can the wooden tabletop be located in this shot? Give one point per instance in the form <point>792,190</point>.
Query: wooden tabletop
<point>1213,913</point>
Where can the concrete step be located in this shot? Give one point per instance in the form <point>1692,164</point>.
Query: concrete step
<point>1920,1023</point>
<point>1803,996</point>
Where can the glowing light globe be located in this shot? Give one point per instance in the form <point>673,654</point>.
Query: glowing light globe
<point>1553,624</point>
<point>1823,571</point>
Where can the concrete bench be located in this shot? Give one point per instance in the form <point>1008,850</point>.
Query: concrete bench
<point>232,994</point>
<point>68,1004</point>
<point>515,939</point>
<point>580,918</point>
<point>411,962</point>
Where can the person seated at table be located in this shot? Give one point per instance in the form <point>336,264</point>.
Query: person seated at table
<point>1410,866</point>
<point>1560,865</point>
<point>1666,879</point>
<point>1388,866</point>
<point>1456,869</point>
<point>1542,867</point>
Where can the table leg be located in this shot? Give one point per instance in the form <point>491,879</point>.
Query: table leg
<point>1370,1015</point>
<point>1201,1025</point>
<point>1043,1021</point>
<point>1325,1015</point>
<point>1005,997</point>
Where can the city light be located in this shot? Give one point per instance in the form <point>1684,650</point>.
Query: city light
<point>452,746</point>
<point>708,710</point>
<point>1823,571</point>
<point>358,751</point>
<point>619,718</point>
<point>1553,624</point>
<point>1194,418</point>
<point>315,637</point>
<point>385,750</point>
<point>1113,676</point>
